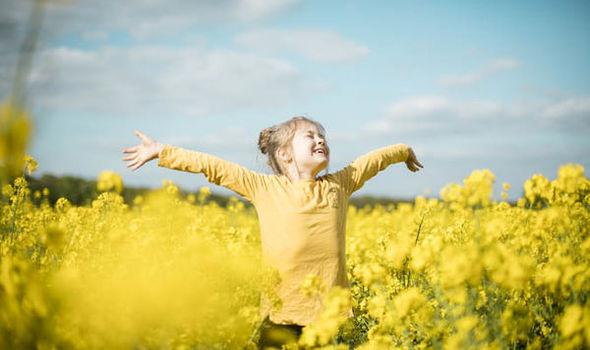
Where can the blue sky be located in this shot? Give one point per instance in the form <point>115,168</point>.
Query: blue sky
<point>468,85</point>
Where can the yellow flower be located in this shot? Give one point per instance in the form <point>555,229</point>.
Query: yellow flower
<point>54,236</point>
<point>7,190</point>
<point>170,187</point>
<point>335,311</point>
<point>30,164</point>
<point>571,320</point>
<point>421,257</point>
<point>191,198</point>
<point>397,251</point>
<point>570,179</point>
<point>459,265</point>
<point>109,181</point>
<point>451,193</point>
<point>506,268</point>
<point>204,193</point>
<point>516,321</point>
<point>312,285</point>
<point>408,300</point>
<point>377,306</point>
<point>15,129</point>
<point>466,324</point>
<point>62,205</point>
<point>538,189</point>
<point>476,191</point>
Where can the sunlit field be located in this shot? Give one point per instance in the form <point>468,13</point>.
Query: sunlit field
<point>170,271</point>
<point>114,267</point>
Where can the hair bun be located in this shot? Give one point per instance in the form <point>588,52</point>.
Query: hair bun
<point>264,139</point>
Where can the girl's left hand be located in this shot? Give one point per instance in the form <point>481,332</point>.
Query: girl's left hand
<point>412,163</point>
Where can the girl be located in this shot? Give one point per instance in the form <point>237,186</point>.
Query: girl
<point>302,216</point>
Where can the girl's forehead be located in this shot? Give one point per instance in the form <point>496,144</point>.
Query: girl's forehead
<point>306,126</point>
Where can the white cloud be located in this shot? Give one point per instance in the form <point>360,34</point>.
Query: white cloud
<point>568,108</point>
<point>143,20</point>
<point>314,44</point>
<point>159,17</point>
<point>156,80</point>
<point>440,114</point>
<point>503,64</point>
<point>418,106</point>
<point>139,18</point>
<point>471,78</point>
<point>250,10</point>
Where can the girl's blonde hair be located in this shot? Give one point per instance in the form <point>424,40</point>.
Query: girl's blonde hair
<point>279,137</point>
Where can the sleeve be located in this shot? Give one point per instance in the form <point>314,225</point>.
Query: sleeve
<point>353,176</point>
<point>218,171</point>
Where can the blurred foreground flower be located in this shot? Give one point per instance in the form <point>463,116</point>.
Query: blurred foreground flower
<point>15,127</point>
<point>335,312</point>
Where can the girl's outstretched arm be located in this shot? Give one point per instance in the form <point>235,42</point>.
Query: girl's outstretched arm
<point>218,171</point>
<point>353,176</point>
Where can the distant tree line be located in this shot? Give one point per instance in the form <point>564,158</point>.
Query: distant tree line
<point>81,192</point>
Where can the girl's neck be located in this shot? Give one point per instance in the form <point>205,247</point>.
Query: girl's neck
<point>307,177</point>
<point>294,176</point>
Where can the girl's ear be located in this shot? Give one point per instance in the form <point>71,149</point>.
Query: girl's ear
<point>284,155</point>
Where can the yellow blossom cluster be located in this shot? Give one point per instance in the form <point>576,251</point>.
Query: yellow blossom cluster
<point>15,128</point>
<point>168,271</point>
<point>476,190</point>
<point>109,180</point>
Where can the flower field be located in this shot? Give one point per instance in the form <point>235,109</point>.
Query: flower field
<point>174,272</point>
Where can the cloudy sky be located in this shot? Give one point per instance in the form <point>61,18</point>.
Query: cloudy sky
<point>501,85</point>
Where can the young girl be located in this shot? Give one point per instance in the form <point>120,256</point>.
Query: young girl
<point>302,215</point>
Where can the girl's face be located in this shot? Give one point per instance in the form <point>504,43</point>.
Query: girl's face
<point>310,151</point>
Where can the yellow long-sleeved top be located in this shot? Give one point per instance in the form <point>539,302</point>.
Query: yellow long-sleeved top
<point>302,223</point>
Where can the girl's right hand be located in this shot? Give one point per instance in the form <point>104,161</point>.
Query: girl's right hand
<point>147,150</point>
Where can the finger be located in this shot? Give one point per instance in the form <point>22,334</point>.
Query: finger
<point>138,165</point>
<point>141,136</point>
<point>130,149</point>
<point>131,164</point>
<point>420,164</point>
<point>130,157</point>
